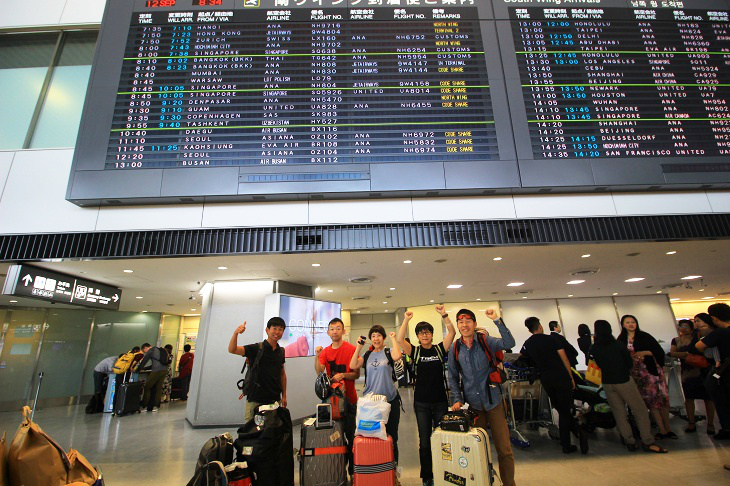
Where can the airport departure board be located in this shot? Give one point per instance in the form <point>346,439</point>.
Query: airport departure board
<point>217,100</point>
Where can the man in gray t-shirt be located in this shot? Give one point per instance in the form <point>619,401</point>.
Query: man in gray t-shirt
<point>101,370</point>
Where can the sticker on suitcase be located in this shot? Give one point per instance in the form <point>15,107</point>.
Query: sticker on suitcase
<point>463,462</point>
<point>454,479</point>
<point>446,452</point>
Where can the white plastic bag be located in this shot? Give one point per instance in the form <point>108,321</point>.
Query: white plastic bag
<point>372,415</point>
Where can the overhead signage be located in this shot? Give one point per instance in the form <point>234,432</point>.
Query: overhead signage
<point>50,286</point>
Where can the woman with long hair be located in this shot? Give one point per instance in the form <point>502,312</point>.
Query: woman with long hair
<point>378,362</point>
<point>616,363</point>
<point>704,326</point>
<point>692,377</point>
<point>585,340</point>
<point>648,372</point>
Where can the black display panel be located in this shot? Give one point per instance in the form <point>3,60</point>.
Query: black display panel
<point>274,99</point>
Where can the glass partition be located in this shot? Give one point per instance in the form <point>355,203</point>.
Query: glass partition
<point>21,336</point>
<point>169,334</point>
<point>63,351</point>
<point>116,333</point>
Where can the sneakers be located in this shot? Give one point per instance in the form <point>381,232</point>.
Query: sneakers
<point>155,409</point>
<point>569,449</point>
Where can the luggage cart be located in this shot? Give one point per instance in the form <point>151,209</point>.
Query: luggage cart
<point>516,377</point>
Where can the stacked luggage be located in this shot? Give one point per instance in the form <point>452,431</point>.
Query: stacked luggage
<point>373,457</point>
<point>323,451</point>
<point>461,453</point>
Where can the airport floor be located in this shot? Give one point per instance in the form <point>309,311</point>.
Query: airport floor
<point>161,448</point>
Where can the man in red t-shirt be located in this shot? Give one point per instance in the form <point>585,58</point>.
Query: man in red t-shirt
<point>335,359</point>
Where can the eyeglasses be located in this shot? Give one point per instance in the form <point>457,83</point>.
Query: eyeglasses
<point>424,331</point>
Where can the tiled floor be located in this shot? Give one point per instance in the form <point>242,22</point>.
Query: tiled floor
<point>161,448</point>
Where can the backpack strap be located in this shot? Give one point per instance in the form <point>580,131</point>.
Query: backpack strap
<point>416,357</point>
<point>391,363</point>
<point>253,367</point>
<point>365,364</point>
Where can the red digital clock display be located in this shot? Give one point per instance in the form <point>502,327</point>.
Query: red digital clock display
<point>161,3</point>
<point>207,3</point>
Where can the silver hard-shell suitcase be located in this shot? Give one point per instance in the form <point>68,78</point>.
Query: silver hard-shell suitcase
<point>323,456</point>
<point>462,458</point>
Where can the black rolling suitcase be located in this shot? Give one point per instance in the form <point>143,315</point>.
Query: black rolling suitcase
<point>127,398</point>
<point>177,391</point>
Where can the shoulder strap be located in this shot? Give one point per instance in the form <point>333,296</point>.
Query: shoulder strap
<point>482,339</point>
<point>365,364</point>
<point>416,357</point>
<point>391,363</point>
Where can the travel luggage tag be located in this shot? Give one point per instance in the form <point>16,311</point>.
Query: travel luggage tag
<point>247,451</point>
<point>335,435</point>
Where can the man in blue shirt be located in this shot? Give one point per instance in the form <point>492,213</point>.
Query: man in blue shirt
<point>483,396</point>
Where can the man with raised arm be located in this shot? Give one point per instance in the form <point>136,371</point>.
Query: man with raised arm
<point>474,379</point>
<point>269,377</point>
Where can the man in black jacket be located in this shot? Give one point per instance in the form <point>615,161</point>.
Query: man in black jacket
<point>557,380</point>
<point>570,351</point>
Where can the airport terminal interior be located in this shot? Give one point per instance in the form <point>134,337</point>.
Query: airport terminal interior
<point>171,169</point>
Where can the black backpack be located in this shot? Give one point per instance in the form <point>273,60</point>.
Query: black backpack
<point>249,380</point>
<point>390,362</point>
<point>165,357</point>
<point>266,444</point>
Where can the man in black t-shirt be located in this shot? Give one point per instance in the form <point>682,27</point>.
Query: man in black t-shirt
<point>563,343</point>
<point>719,389</point>
<point>557,380</point>
<point>269,383</point>
<point>430,401</point>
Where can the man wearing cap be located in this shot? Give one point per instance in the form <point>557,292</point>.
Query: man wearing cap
<point>269,385</point>
<point>479,390</point>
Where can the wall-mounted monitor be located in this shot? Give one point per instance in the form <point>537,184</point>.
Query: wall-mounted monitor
<point>306,322</point>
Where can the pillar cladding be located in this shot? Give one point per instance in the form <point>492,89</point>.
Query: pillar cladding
<point>213,398</point>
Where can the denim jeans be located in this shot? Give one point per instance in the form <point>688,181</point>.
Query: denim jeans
<point>427,418</point>
<point>392,426</point>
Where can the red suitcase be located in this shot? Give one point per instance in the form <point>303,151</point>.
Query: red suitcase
<point>374,462</point>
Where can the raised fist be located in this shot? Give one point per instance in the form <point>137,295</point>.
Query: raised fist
<point>392,335</point>
<point>318,350</point>
<point>241,328</point>
<point>440,309</point>
<point>408,314</point>
<point>491,313</point>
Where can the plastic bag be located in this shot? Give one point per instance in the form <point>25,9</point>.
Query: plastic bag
<point>372,415</point>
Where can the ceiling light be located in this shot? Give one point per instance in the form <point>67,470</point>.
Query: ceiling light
<point>330,290</point>
<point>431,301</point>
<point>453,286</point>
<point>709,297</point>
<point>144,312</point>
<point>658,291</point>
<point>317,289</point>
<point>386,310</point>
<point>222,268</point>
<point>384,302</point>
<point>392,288</point>
<point>128,271</point>
<point>358,312</point>
<point>479,299</point>
<point>496,259</point>
<point>139,297</point>
<point>586,255</point>
<point>674,298</point>
<point>524,297</point>
<point>691,277</point>
<point>315,264</point>
<point>634,279</point>
<point>615,293</point>
<point>701,290</point>
<point>570,295</point>
<point>407,261</point>
<point>15,301</point>
<point>671,252</point>
<point>575,282</point>
<point>515,284</point>
<point>193,309</point>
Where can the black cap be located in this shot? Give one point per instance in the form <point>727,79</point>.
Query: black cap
<point>275,321</point>
<point>468,313</point>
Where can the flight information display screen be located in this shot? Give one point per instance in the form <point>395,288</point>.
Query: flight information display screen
<point>618,82</point>
<point>216,100</point>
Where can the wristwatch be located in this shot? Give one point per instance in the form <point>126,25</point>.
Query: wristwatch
<point>444,316</point>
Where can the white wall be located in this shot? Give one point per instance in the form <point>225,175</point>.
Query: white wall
<point>33,188</point>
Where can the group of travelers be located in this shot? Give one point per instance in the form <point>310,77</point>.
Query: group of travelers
<point>157,362</point>
<point>466,370</point>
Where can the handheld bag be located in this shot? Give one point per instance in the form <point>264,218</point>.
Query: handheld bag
<point>457,420</point>
<point>593,373</point>
<point>35,458</point>
<point>697,360</point>
<point>372,415</point>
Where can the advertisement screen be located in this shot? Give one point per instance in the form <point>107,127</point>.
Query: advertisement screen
<point>306,324</point>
